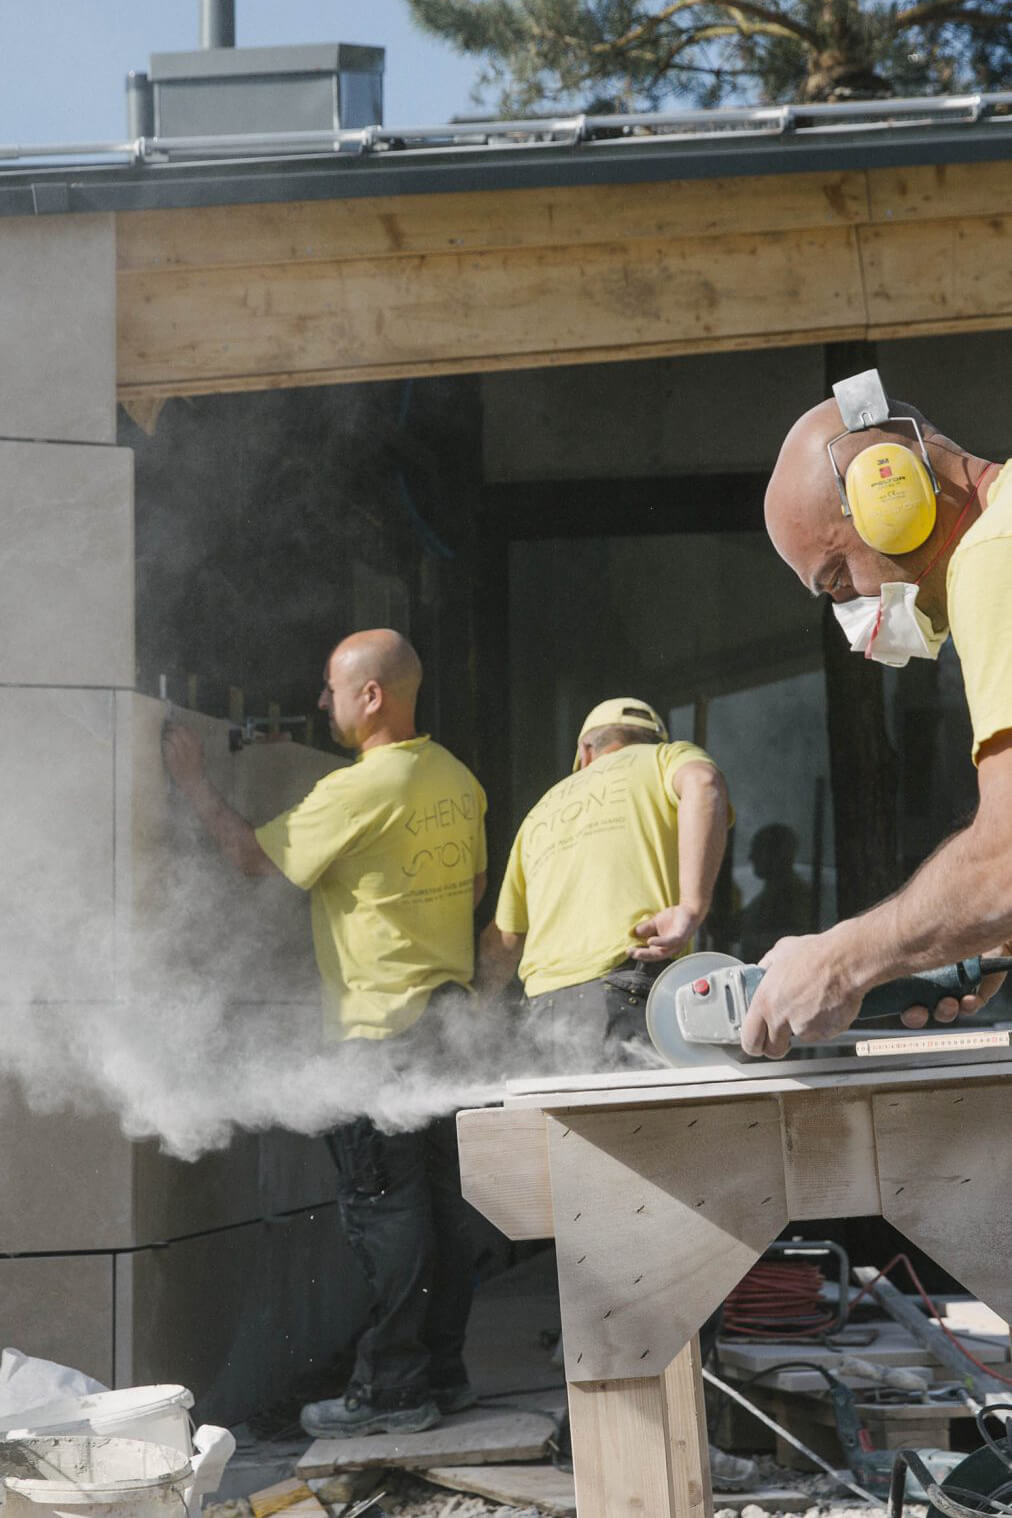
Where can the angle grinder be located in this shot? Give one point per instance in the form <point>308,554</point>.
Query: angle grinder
<point>697,1006</point>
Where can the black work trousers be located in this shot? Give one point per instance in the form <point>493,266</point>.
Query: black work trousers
<point>405,1218</point>
<point>576,1028</point>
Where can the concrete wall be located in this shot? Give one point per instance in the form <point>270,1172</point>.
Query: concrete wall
<point>228,1274</point>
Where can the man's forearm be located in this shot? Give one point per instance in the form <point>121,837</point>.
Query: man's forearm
<point>957,904</point>
<point>702,838</point>
<point>231,832</point>
<point>498,956</point>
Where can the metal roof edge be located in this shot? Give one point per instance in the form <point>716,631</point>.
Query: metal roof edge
<point>73,188</point>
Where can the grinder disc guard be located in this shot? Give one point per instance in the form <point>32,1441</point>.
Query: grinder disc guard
<point>662,1013</point>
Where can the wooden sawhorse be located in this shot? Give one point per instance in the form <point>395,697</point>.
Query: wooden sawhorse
<point>663,1188</point>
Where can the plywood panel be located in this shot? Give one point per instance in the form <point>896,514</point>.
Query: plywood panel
<point>392,225</point>
<point>504,1169</point>
<point>829,1156</point>
<point>943,1162</point>
<point>658,1213</point>
<point>228,325</point>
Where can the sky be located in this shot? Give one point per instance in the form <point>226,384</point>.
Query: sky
<point>63,62</point>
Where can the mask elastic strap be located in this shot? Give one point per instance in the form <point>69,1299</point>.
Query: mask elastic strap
<point>956,524</point>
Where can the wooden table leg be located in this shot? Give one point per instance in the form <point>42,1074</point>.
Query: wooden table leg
<point>639,1445</point>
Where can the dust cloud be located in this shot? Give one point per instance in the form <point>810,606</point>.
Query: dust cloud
<point>219,1028</point>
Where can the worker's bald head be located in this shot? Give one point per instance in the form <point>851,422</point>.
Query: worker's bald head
<point>804,515</point>
<point>370,688</point>
<point>382,655</point>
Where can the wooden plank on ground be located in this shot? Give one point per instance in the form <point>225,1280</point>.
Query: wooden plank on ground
<point>550,216</point>
<point>293,1498</point>
<point>477,1437</point>
<point>542,1486</point>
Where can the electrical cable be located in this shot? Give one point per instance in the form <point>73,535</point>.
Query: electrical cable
<point>902,1259</point>
<point>778,1299</point>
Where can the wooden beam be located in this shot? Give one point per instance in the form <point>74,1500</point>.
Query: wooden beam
<point>571,216</point>
<point>223,325</point>
<point>639,1444</point>
<point>258,297</point>
<point>928,192</point>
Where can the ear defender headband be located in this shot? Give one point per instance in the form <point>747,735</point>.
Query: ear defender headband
<point>889,491</point>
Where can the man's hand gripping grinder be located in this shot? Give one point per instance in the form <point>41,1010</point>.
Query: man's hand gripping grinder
<point>697,1005</point>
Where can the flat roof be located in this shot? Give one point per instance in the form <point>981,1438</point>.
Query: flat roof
<point>156,174</point>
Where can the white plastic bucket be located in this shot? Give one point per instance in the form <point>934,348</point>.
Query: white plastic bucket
<point>77,1477</point>
<point>158,1413</point>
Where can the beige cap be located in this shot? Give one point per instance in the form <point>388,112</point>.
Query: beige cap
<point>621,711</point>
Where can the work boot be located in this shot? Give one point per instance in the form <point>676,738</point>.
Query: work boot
<point>344,1417</point>
<point>729,1473</point>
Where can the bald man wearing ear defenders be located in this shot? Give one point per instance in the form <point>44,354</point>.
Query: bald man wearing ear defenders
<point>911,537</point>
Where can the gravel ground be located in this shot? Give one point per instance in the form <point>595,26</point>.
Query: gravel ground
<point>408,1496</point>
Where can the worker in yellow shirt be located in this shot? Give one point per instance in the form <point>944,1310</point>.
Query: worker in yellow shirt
<point>392,852</point>
<point>610,875</point>
<point>911,537</point>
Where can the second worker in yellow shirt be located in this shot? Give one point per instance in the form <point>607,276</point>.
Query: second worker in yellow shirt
<point>610,875</point>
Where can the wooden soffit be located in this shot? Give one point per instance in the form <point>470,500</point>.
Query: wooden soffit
<point>252,297</point>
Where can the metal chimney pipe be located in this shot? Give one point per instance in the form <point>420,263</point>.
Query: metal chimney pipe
<point>217,23</point>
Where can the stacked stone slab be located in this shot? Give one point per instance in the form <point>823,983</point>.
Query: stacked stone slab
<point>228,1274</point>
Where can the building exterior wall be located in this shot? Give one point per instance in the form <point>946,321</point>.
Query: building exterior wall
<point>229,1273</point>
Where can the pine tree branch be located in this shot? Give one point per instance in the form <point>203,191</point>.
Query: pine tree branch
<point>948,10</point>
<point>787,26</point>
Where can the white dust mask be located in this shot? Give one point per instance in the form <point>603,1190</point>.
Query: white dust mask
<point>890,627</point>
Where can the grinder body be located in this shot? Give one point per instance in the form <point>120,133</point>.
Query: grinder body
<point>711,1008</point>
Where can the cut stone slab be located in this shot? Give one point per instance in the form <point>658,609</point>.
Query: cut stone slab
<point>478,1437</point>
<point>291,1497</point>
<point>542,1486</point>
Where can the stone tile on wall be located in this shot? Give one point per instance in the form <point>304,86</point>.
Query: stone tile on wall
<point>56,842</point>
<point>67,1179</point>
<point>197,1313</point>
<point>60,1308</point>
<point>67,561</point>
<point>175,1198</point>
<point>237,1315</point>
<point>58,317</point>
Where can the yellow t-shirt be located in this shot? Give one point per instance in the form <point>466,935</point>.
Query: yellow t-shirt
<point>596,855</point>
<point>388,848</point>
<point>979,595</point>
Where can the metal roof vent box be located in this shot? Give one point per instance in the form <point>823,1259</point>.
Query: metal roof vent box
<point>228,91</point>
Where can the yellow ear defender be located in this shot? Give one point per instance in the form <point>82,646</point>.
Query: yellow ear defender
<point>889,491</point>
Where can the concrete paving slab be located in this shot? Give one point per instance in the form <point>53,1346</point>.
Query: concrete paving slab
<point>476,1437</point>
